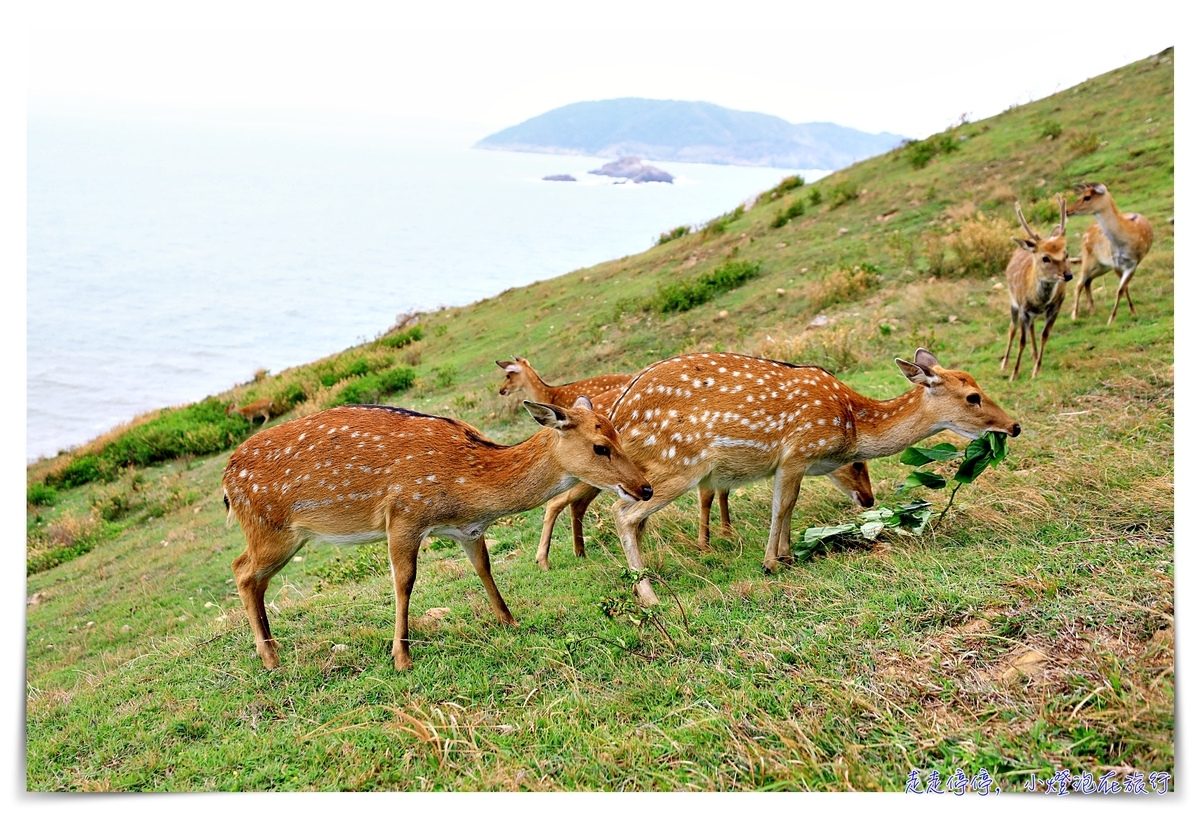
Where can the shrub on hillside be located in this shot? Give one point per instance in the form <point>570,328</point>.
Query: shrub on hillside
<point>786,185</point>
<point>842,284</point>
<point>398,340</point>
<point>1082,144</point>
<point>39,494</point>
<point>373,388</point>
<point>1051,129</point>
<point>720,223</point>
<point>677,233</point>
<point>921,153</point>
<point>793,210</point>
<point>685,295</point>
<point>200,429</point>
<point>845,192</point>
<point>982,246</point>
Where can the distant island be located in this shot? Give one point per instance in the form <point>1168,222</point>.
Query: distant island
<point>675,131</point>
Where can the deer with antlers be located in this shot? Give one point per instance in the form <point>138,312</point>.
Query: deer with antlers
<point>1037,274</point>
<point>1116,241</point>
<point>518,374</point>
<point>355,474</point>
<point>853,480</point>
<point>720,420</point>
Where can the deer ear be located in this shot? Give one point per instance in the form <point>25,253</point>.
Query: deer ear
<point>921,372</point>
<point>582,402</point>
<point>549,415</point>
<point>1025,244</point>
<point>505,364</point>
<point>1101,189</point>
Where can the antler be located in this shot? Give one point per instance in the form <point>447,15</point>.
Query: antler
<point>1062,216</point>
<point>1025,224</point>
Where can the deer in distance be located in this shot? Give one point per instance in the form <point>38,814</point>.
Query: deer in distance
<point>1037,274</point>
<point>518,374</point>
<point>260,408</point>
<point>357,474</point>
<point>853,480</point>
<point>1116,241</point>
<point>720,420</point>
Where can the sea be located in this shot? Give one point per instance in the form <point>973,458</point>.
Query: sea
<point>170,256</point>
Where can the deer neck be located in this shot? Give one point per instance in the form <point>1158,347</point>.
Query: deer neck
<point>884,427</point>
<point>538,389</point>
<point>1114,227</point>
<point>526,475</point>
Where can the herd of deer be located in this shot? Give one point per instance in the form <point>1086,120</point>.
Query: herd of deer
<point>710,421</point>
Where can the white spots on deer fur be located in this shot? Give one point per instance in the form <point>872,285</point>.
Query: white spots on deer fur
<point>672,413</point>
<point>461,480</point>
<point>821,422</point>
<point>431,478</point>
<point>416,495</point>
<point>242,473</point>
<point>651,440</point>
<point>721,369</point>
<point>255,488</point>
<point>808,425</point>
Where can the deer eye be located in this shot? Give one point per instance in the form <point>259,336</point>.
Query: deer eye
<point>974,399</point>
<point>601,450</point>
<point>1087,198</point>
<point>1045,259</point>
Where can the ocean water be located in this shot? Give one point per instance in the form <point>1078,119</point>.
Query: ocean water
<point>169,260</point>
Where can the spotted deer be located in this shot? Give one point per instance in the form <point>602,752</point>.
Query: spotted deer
<point>720,420</point>
<point>356,474</point>
<point>853,479</point>
<point>260,408</point>
<point>1037,274</point>
<point>1116,241</point>
<point>518,374</point>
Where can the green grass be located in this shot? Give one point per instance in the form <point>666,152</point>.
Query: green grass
<point>1032,631</point>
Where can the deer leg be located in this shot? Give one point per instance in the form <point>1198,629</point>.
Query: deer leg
<point>1021,349</point>
<point>706,498</point>
<point>1123,289</point>
<point>631,516</point>
<point>787,488</point>
<point>402,554</point>
<point>1012,331</point>
<point>1051,317</point>
<point>265,555</point>
<point>723,502</point>
<point>554,507</point>
<point>477,553</point>
<point>579,507</point>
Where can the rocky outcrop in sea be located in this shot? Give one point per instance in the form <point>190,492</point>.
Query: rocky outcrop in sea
<point>632,168</point>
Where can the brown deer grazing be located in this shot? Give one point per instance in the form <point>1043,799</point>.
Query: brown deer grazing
<point>853,479</point>
<point>1037,274</point>
<point>518,374</point>
<point>1116,241</point>
<point>250,411</point>
<point>356,474</point>
<point>719,420</point>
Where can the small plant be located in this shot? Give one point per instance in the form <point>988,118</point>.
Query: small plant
<point>685,295</point>
<point>720,223</point>
<point>439,330</point>
<point>1051,129</point>
<point>1084,144</point>
<point>398,340</point>
<point>787,184</point>
<point>982,246</point>
<point>845,192</point>
<point>39,494</point>
<point>444,376</point>
<point>814,196</point>
<point>677,233</point>
<point>842,284</point>
<point>921,153</point>
<point>793,210</point>
<point>373,388</point>
<point>913,518</point>
<point>903,249</point>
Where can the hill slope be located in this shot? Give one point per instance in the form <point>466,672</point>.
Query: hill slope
<point>671,130</point>
<point>1032,631</point>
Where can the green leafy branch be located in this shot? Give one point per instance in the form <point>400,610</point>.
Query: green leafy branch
<point>913,518</point>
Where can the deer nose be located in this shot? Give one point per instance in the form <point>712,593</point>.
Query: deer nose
<point>1016,429</point>
<point>647,492</point>
<point>1067,276</point>
<point>866,502</point>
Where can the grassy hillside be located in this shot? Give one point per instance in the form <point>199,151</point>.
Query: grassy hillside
<point>1032,631</point>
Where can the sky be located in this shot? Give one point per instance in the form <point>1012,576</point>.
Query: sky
<point>908,68</point>
<point>911,68</point>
